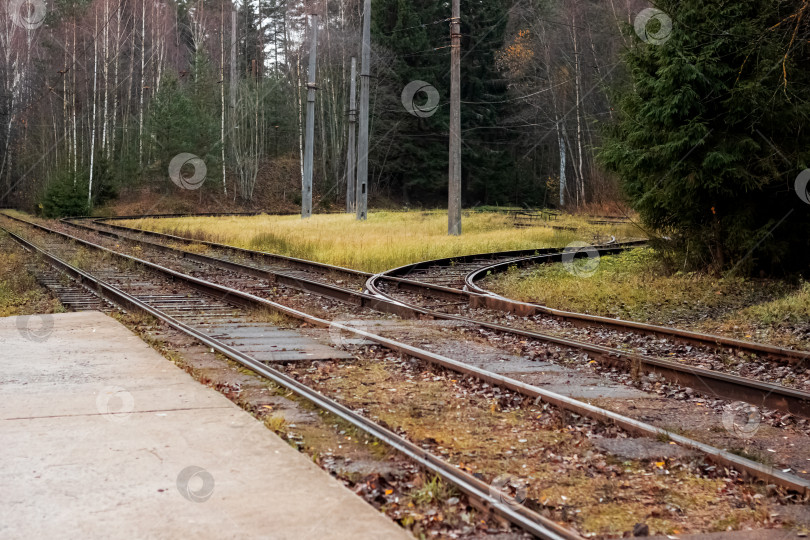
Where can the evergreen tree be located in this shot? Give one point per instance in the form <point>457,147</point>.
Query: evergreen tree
<point>184,120</point>
<point>713,133</point>
<point>171,122</point>
<point>203,87</point>
<point>416,35</point>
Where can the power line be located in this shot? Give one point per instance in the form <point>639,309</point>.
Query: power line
<point>517,98</point>
<point>424,25</point>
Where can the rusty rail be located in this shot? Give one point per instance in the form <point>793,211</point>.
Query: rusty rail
<point>754,469</point>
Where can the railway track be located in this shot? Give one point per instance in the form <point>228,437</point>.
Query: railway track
<point>429,297</point>
<point>707,381</point>
<point>429,289</point>
<point>134,292</point>
<point>214,315</point>
<point>463,275</point>
<point>432,289</point>
<point>485,298</point>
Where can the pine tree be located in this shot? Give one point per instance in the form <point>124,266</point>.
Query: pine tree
<point>713,132</point>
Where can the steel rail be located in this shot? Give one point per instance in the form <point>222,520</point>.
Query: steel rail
<point>481,297</point>
<point>391,275</point>
<point>363,300</point>
<point>192,214</point>
<point>242,251</point>
<point>481,494</point>
<point>722,457</point>
<point>306,263</point>
<point>394,275</point>
<point>317,287</point>
<point>705,381</point>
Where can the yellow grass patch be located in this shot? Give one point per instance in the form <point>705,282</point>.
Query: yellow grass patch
<point>387,239</point>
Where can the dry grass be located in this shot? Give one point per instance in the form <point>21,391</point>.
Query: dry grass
<point>557,464</point>
<point>20,294</point>
<point>386,240</point>
<point>636,286</point>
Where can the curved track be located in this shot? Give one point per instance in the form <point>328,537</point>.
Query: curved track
<point>486,310</point>
<point>489,299</point>
<point>234,299</point>
<point>201,303</point>
<point>426,298</point>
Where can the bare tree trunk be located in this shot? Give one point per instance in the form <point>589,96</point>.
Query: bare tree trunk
<point>131,82</point>
<point>159,45</point>
<point>351,158</point>
<point>143,82</point>
<point>222,93</point>
<point>12,86</point>
<point>618,24</point>
<point>578,86</point>
<point>65,118</point>
<point>106,46</point>
<point>115,86</point>
<point>233,61</point>
<point>73,97</point>
<point>93,127</point>
<point>563,161</point>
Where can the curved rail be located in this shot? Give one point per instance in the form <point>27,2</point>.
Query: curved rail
<point>495,503</point>
<point>706,381</point>
<point>482,494</point>
<point>484,298</point>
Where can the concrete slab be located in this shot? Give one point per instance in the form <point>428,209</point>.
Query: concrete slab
<point>491,357</point>
<point>271,344</point>
<point>101,437</point>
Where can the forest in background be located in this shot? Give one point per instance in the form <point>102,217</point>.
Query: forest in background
<point>104,93</point>
<point>695,113</point>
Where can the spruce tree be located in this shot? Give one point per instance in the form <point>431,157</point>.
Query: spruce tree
<point>713,133</point>
<point>182,118</point>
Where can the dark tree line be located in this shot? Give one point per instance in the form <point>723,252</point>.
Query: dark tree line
<point>564,102</point>
<point>712,133</point>
<point>104,93</point>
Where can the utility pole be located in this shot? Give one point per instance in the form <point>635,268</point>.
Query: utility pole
<point>351,160</point>
<point>454,180</point>
<point>362,144</point>
<point>306,188</point>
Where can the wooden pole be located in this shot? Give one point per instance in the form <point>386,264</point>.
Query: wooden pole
<point>362,144</point>
<point>351,160</point>
<point>454,180</point>
<point>306,189</point>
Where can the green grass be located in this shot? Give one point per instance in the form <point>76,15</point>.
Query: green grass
<point>386,240</point>
<point>792,308</point>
